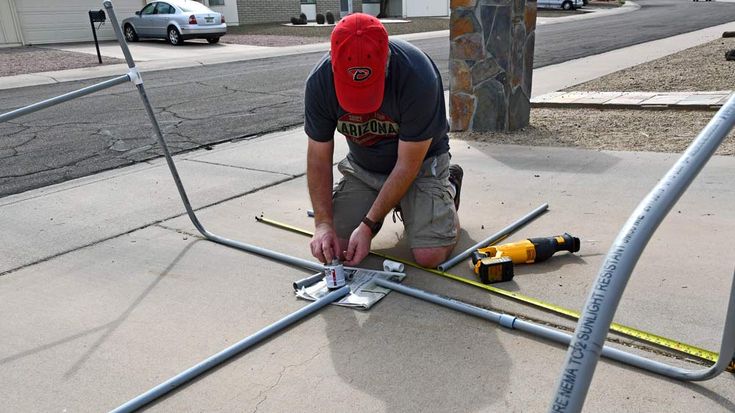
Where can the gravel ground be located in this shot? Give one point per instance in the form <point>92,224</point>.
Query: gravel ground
<point>20,60</point>
<point>620,130</point>
<point>701,68</point>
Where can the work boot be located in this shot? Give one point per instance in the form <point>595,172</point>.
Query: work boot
<point>455,178</point>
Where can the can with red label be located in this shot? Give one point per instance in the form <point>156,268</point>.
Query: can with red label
<point>334,275</point>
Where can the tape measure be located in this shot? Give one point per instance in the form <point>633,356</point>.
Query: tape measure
<point>641,335</point>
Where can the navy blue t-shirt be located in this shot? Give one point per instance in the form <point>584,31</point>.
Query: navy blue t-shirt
<point>412,110</point>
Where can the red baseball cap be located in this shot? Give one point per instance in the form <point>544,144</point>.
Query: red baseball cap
<point>359,56</point>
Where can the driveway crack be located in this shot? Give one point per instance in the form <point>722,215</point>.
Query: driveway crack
<point>264,393</point>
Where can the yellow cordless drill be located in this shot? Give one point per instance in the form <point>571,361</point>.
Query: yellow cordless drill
<point>495,264</point>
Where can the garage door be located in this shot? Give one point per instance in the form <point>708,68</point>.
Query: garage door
<point>8,30</point>
<point>61,21</point>
<point>419,8</point>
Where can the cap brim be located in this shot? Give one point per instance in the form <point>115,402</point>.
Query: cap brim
<point>364,99</point>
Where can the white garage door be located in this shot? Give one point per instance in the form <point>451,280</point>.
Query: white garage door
<point>8,30</point>
<point>419,8</point>
<point>60,21</point>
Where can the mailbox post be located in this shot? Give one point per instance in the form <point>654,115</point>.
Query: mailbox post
<point>96,17</point>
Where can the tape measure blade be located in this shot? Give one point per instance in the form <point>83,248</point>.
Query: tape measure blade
<point>641,335</point>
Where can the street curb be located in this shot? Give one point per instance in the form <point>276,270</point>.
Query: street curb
<point>628,7</point>
<point>707,101</point>
<point>551,105</point>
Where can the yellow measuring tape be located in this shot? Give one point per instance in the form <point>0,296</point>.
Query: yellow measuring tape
<point>618,328</point>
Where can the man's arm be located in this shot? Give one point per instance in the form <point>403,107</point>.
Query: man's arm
<point>319,156</point>
<point>410,158</point>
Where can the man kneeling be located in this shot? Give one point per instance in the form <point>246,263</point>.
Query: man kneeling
<point>386,97</point>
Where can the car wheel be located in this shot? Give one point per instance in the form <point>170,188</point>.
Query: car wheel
<point>567,5</point>
<point>213,40</point>
<point>174,37</point>
<point>130,34</point>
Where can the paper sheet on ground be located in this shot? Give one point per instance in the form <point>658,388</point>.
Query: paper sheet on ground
<point>363,292</point>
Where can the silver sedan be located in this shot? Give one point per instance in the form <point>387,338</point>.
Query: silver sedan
<point>175,21</point>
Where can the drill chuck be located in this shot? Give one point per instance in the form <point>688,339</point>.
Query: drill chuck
<point>548,246</point>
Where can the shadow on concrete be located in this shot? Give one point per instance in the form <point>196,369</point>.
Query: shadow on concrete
<point>531,159</point>
<point>418,357</point>
<point>543,269</point>
<point>698,387</point>
<point>726,403</point>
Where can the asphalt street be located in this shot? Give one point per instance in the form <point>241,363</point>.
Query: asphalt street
<point>202,106</point>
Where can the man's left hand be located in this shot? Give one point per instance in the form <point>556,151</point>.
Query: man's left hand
<point>359,245</point>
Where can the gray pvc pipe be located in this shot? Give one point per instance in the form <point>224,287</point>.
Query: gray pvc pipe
<point>299,262</point>
<point>63,98</point>
<point>604,297</point>
<point>445,266</point>
<point>118,33</point>
<point>512,322</point>
<point>226,354</point>
<point>307,281</point>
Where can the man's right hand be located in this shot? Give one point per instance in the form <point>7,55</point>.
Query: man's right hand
<point>325,244</point>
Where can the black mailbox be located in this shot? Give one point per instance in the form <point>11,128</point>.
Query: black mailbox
<point>97,16</point>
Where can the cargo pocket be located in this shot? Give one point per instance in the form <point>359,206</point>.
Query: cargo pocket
<point>432,216</point>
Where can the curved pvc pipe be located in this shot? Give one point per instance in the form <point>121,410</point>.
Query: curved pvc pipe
<point>159,136</point>
<point>226,354</point>
<point>512,322</point>
<point>299,262</point>
<point>503,233</point>
<point>604,297</point>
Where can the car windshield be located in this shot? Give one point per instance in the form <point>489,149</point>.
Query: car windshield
<point>194,7</point>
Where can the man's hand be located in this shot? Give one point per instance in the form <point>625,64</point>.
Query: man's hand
<point>359,245</point>
<point>325,244</point>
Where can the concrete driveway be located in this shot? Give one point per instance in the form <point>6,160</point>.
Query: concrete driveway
<point>107,293</point>
<point>150,50</point>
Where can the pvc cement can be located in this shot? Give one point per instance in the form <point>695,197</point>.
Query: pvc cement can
<point>334,275</point>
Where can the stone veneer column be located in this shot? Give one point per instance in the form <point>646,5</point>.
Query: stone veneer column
<point>490,64</point>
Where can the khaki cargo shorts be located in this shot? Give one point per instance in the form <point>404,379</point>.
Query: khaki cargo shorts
<point>428,210</point>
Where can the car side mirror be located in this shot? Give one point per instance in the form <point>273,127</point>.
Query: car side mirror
<point>137,13</point>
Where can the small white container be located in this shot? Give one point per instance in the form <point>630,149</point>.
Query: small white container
<point>334,275</point>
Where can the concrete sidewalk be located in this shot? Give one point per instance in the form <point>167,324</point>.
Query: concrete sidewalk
<point>141,297</point>
<point>712,100</point>
<point>108,290</point>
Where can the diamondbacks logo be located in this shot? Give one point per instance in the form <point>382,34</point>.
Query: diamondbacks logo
<point>360,74</point>
<point>368,129</point>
